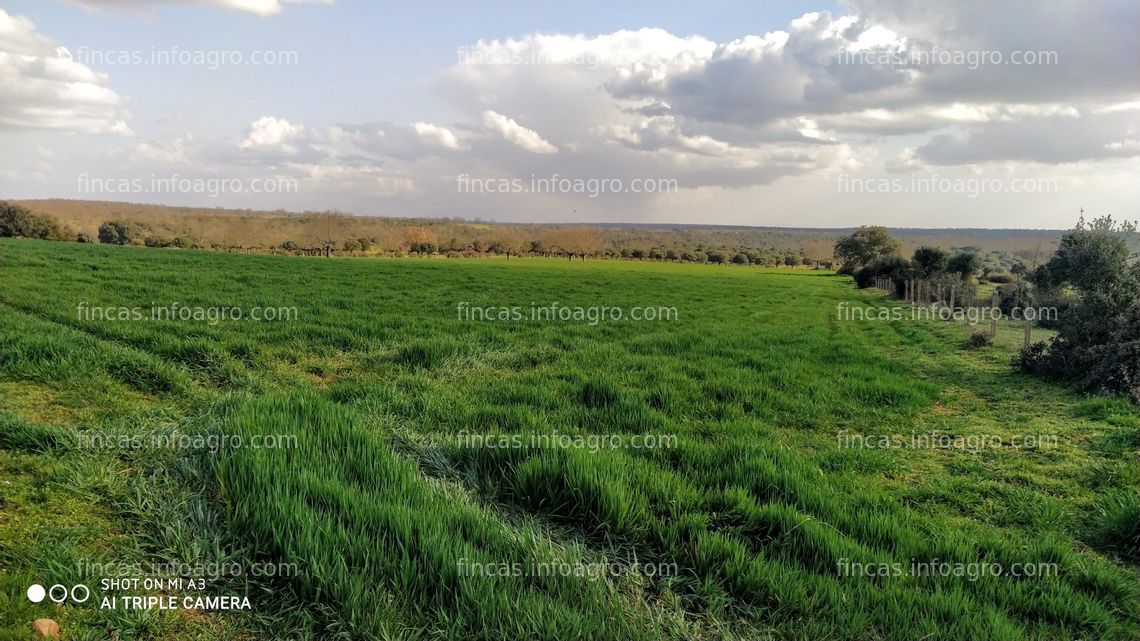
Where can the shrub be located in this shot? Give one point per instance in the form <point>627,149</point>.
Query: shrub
<point>896,268</point>
<point>980,339</point>
<point>1097,345</point>
<point>965,264</point>
<point>22,222</point>
<point>929,261</point>
<point>121,232</point>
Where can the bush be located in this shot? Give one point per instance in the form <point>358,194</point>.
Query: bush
<point>965,264</point>
<point>929,261</point>
<point>121,232</point>
<point>739,259</point>
<point>896,268</point>
<point>17,221</point>
<point>980,339</point>
<point>1097,346</point>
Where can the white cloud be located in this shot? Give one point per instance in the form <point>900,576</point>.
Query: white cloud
<point>43,88</point>
<point>439,136</point>
<point>739,125</point>
<point>268,132</point>
<point>516,134</point>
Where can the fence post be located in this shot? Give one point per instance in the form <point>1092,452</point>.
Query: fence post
<point>953,291</point>
<point>993,317</point>
<point>1028,323</point>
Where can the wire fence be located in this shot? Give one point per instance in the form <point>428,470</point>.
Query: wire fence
<point>1014,304</point>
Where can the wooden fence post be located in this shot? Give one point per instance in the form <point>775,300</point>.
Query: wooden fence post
<point>993,317</point>
<point>1028,323</point>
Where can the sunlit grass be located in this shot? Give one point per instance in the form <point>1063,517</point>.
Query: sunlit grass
<point>384,507</point>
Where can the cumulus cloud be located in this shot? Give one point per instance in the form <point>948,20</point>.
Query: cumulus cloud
<point>407,142</point>
<point>43,88</point>
<point>439,136</point>
<point>269,132</point>
<point>516,134</point>
<point>761,114</point>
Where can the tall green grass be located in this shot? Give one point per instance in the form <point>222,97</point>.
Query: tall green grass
<point>385,508</point>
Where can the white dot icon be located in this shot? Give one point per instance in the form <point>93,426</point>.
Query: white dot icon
<point>36,593</point>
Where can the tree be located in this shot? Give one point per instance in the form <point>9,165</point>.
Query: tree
<point>1097,344</point>
<point>20,221</point>
<point>575,241</point>
<point>327,228</point>
<point>1091,254</point>
<point>511,241</point>
<point>120,232</point>
<point>865,245</point>
<point>420,239</point>
<point>965,264</point>
<point>929,261</point>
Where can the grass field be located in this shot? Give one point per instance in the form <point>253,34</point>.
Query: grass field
<point>753,518</point>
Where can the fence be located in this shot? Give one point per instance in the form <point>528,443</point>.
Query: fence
<point>1018,302</point>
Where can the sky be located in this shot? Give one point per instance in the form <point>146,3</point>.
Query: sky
<point>1013,114</point>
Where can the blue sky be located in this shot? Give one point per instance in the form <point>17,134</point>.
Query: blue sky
<point>737,110</point>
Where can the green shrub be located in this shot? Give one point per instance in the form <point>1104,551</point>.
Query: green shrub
<point>121,232</point>
<point>896,268</point>
<point>19,221</point>
<point>980,339</point>
<point>1097,345</point>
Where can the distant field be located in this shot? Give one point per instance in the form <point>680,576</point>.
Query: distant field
<point>749,514</point>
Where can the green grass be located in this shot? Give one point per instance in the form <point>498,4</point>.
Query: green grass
<point>383,508</point>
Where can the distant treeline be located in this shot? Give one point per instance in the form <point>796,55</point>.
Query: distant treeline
<point>335,233</point>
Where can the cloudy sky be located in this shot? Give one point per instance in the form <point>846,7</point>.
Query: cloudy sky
<point>914,114</point>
